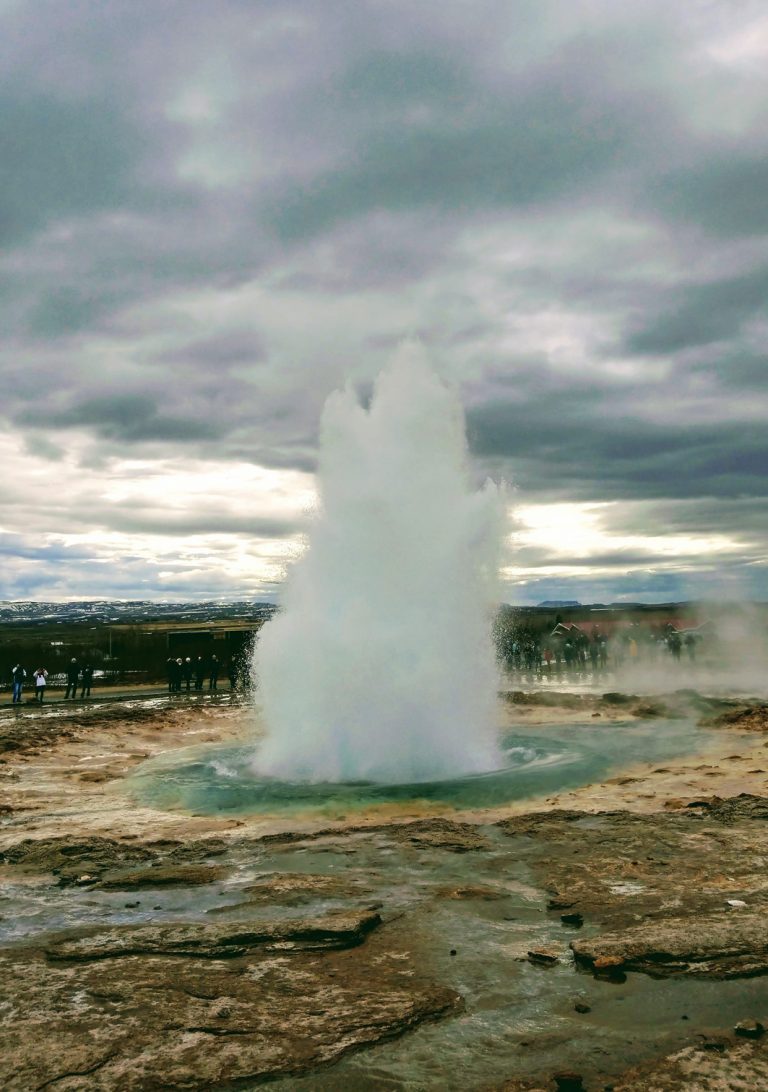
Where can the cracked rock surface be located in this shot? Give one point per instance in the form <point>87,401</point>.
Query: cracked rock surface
<point>167,1012</point>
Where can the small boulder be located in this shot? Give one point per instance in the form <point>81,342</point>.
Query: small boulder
<point>749,1029</point>
<point>568,1081</point>
<point>543,957</point>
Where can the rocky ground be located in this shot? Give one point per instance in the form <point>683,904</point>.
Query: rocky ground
<point>610,937</point>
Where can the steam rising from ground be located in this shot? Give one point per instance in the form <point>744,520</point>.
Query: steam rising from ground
<point>380,665</point>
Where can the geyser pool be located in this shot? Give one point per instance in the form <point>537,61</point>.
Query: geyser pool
<point>214,779</point>
<point>380,666</point>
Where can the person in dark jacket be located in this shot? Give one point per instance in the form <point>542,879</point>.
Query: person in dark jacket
<point>187,668</point>
<point>213,681</point>
<point>199,672</point>
<point>18,675</point>
<point>73,674</point>
<point>86,680</point>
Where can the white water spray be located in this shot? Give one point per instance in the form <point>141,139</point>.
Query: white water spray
<point>380,665</point>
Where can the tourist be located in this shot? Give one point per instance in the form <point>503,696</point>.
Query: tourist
<point>214,677</point>
<point>87,679</point>
<point>187,669</point>
<point>18,675</point>
<point>178,675</point>
<point>73,674</point>
<point>41,677</point>
<point>199,673</point>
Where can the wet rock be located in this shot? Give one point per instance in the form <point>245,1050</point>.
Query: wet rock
<point>428,833</point>
<point>214,941</point>
<point>442,834</point>
<point>719,946</point>
<point>188,875</point>
<point>81,854</point>
<point>568,1081</point>
<point>750,718</point>
<point>97,777</point>
<point>736,808</point>
<point>79,861</point>
<point>617,876</point>
<point>575,920</point>
<point>717,1043</point>
<point>582,1007</point>
<point>186,1022</point>
<point>742,1065</point>
<point>199,849</point>
<point>517,1085</point>
<point>609,968</point>
<point>559,902</point>
<point>543,957</point>
<point>556,700</point>
<point>295,888</point>
<point>472,891</point>
<point>749,1029</point>
<point>651,709</point>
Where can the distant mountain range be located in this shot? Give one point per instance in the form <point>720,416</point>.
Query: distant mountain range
<point>105,611</point>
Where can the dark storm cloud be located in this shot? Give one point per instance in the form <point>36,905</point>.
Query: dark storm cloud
<point>132,419</point>
<point>704,313</point>
<point>743,369</point>
<point>60,158</point>
<point>697,516</point>
<point>724,194</point>
<point>578,450</point>
<point>66,310</point>
<point>222,350</point>
<point>213,215</point>
<point>538,145</point>
<point>205,523</point>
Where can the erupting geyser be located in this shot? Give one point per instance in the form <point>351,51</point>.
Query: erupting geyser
<point>380,665</point>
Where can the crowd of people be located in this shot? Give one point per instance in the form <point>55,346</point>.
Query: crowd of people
<point>183,670</point>
<point>188,675</point>
<point>184,674</point>
<point>573,649</point>
<point>78,677</point>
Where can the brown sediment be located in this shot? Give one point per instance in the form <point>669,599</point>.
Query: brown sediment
<point>650,871</point>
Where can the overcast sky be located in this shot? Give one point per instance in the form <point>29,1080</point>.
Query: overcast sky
<point>213,213</point>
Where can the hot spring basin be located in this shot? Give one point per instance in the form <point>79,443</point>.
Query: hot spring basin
<point>215,779</point>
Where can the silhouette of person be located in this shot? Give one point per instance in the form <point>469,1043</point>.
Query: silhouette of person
<point>187,668</point>
<point>18,675</point>
<point>86,680</point>
<point>73,674</point>
<point>213,681</point>
<point>199,672</point>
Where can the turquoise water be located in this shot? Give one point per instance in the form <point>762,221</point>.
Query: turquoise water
<point>215,779</point>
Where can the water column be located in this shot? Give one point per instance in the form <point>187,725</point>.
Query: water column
<point>380,664</point>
